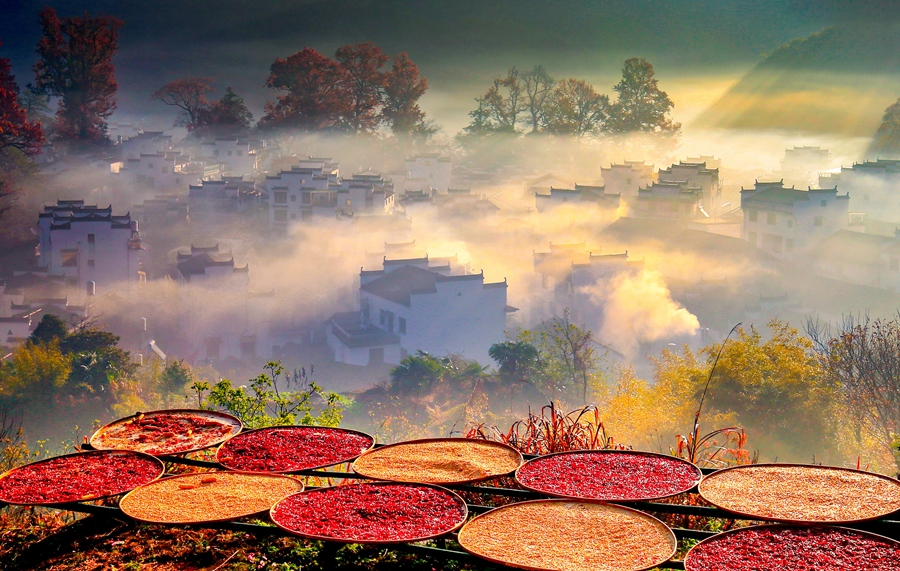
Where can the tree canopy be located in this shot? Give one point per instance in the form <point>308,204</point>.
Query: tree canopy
<point>641,105</point>
<point>189,95</point>
<point>362,85</point>
<point>350,93</point>
<point>20,139</point>
<point>571,106</point>
<point>402,90</point>
<point>575,109</point>
<point>225,117</point>
<point>76,66</point>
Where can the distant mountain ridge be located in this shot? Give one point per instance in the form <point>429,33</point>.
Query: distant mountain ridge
<point>837,80</point>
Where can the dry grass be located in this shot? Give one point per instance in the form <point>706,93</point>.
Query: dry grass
<point>551,431</point>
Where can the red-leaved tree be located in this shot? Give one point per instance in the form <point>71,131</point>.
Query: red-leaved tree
<point>189,95</point>
<point>313,100</point>
<point>402,90</point>
<point>18,138</point>
<point>361,89</point>
<point>76,66</point>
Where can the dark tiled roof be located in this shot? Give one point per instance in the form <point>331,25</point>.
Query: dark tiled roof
<point>399,285</point>
<point>346,327</point>
<point>197,264</point>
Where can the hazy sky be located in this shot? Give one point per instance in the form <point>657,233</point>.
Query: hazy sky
<point>458,45</point>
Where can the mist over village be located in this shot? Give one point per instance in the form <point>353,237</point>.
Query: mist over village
<point>667,229</point>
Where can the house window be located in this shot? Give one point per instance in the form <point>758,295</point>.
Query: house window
<point>240,153</point>
<point>770,218</point>
<point>293,198</point>
<point>824,203</point>
<point>305,198</point>
<point>149,165</point>
<point>164,170</point>
<point>401,326</point>
<point>70,259</point>
<point>627,181</point>
<point>349,202</point>
<point>280,215</point>
<point>216,153</point>
<point>790,223</point>
<point>229,153</point>
<point>90,263</point>
<point>91,238</point>
<point>895,264</point>
<point>789,245</point>
<point>293,216</point>
<point>752,215</point>
<point>819,221</point>
<point>751,237</point>
<point>280,197</point>
<point>382,317</point>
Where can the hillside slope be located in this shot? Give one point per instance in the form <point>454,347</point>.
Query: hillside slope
<point>838,80</point>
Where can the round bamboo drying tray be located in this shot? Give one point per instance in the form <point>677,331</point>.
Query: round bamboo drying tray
<point>366,521</point>
<point>800,493</point>
<point>604,475</point>
<point>729,551</point>
<point>308,448</point>
<point>126,434</point>
<point>439,461</point>
<point>207,497</point>
<point>73,471</point>
<point>568,535</point>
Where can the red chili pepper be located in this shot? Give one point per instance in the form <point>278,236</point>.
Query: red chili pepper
<point>78,476</point>
<point>609,475</point>
<point>792,547</point>
<point>371,512</point>
<point>292,448</point>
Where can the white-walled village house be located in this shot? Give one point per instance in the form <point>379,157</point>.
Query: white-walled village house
<point>696,175</point>
<point>420,304</point>
<point>427,171</point>
<point>787,221</point>
<point>85,243</point>
<point>625,179</point>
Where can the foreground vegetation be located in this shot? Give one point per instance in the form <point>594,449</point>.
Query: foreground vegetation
<point>772,393</point>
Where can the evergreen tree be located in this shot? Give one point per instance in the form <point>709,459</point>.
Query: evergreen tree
<point>226,117</point>
<point>641,106</point>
